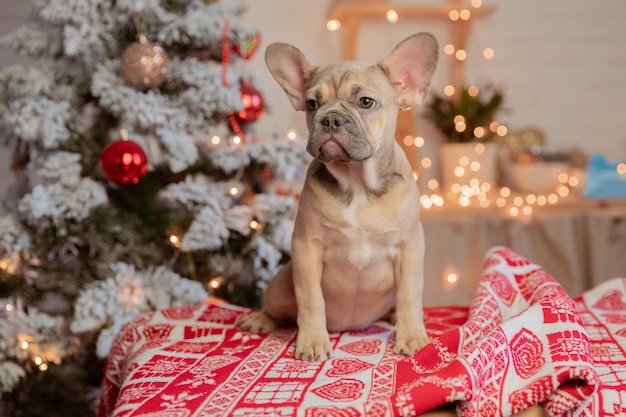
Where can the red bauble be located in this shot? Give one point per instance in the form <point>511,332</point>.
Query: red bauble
<point>253,105</point>
<point>248,46</point>
<point>124,162</point>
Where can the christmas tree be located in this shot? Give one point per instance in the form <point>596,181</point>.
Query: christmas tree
<point>141,184</point>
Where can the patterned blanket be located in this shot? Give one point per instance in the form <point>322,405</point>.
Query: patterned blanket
<point>522,342</point>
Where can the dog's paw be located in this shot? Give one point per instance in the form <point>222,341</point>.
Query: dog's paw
<point>257,322</point>
<point>313,346</point>
<point>409,344</point>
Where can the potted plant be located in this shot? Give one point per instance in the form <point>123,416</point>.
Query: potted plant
<point>467,122</point>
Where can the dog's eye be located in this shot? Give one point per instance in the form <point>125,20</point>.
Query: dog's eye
<point>366,102</point>
<point>311,105</point>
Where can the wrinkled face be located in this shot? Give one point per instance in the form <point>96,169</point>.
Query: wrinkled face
<point>350,107</point>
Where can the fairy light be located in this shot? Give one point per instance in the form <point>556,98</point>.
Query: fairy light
<point>502,130</point>
<point>621,168</point>
<point>432,184</point>
<point>292,135</point>
<point>43,367</point>
<point>408,140</point>
<point>460,54</point>
<point>233,191</point>
<point>174,241</point>
<point>255,225</point>
<point>464,161</point>
<point>479,132</point>
<point>426,162</point>
<point>473,91</point>
<point>452,278</point>
<point>453,15</point>
<point>419,141</point>
<point>488,53</point>
<point>465,14</point>
<point>476,3</point>
<point>216,140</point>
<point>333,25</point>
<point>479,148</point>
<point>215,283</point>
<point>449,49</point>
<point>236,140</point>
<point>448,90</point>
<point>505,192</point>
<point>392,16</point>
<point>24,345</point>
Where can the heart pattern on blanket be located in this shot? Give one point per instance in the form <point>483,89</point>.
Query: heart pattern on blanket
<point>362,347</point>
<point>341,367</point>
<point>611,300</point>
<point>342,390</point>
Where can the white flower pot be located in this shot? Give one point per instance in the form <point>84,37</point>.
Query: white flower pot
<point>462,162</point>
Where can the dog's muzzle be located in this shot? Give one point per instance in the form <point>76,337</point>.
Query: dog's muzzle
<point>336,137</point>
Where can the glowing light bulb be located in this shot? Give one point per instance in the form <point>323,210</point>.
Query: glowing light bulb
<point>292,134</point>
<point>419,141</point>
<point>255,225</point>
<point>392,16</point>
<point>488,53</point>
<point>426,162</point>
<point>24,345</point>
<point>448,90</point>
<point>479,132</point>
<point>621,168</point>
<point>215,283</point>
<point>408,140</point>
<point>472,91</point>
<point>174,241</point>
<point>460,55</point>
<point>215,140</point>
<point>479,148</point>
<point>452,278</point>
<point>333,25</point>
<point>433,184</point>
<point>505,192</point>
<point>464,161</point>
<point>465,14</point>
<point>453,15</point>
<point>459,171</point>
<point>233,191</point>
<point>236,140</point>
<point>449,49</point>
<point>476,3</point>
<point>475,166</point>
<point>43,367</point>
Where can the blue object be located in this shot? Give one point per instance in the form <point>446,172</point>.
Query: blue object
<point>603,179</point>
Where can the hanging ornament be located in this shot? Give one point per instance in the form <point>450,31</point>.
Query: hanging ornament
<point>124,162</point>
<point>253,105</point>
<point>247,47</point>
<point>144,64</point>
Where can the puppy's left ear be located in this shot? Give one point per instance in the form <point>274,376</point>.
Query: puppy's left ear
<point>291,69</point>
<point>410,66</point>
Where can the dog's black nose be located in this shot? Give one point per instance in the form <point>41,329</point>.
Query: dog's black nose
<point>332,120</point>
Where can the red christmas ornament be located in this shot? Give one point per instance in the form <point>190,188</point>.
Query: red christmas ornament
<point>248,46</point>
<point>124,162</point>
<point>253,105</point>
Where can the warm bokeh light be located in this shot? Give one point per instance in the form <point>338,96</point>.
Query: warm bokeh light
<point>392,16</point>
<point>449,49</point>
<point>488,53</point>
<point>333,25</point>
<point>448,90</point>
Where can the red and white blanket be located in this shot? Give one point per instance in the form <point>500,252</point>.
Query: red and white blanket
<point>522,342</point>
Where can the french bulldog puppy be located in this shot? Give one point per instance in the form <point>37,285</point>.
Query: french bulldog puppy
<point>358,244</point>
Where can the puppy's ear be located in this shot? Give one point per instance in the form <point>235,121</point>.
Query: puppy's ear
<point>410,66</point>
<point>291,69</point>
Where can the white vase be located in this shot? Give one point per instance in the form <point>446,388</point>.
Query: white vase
<point>462,162</point>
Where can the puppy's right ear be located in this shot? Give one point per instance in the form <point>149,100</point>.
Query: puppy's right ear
<point>291,69</point>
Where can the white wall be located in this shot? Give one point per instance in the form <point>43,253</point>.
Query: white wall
<point>562,62</point>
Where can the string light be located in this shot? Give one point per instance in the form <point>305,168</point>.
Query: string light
<point>392,16</point>
<point>333,25</point>
<point>419,141</point>
<point>216,140</point>
<point>621,168</point>
<point>255,225</point>
<point>488,53</point>
<point>215,283</point>
<point>452,278</point>
<point>233,191</point>
<point>174,241</point>
<point>292,135</point>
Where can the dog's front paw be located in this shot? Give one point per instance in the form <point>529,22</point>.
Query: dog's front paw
<point>313,346</point>
<point>408,343</point>
<point>257,322</point>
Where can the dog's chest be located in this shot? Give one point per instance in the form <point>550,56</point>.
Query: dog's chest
<point>362,237</point>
